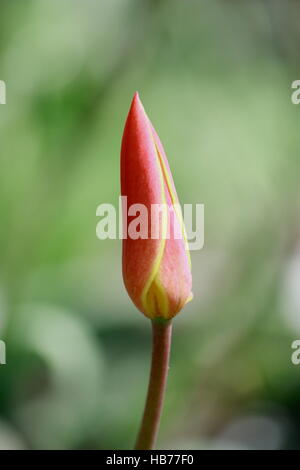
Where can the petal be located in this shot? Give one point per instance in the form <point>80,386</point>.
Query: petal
<point>142,182</point>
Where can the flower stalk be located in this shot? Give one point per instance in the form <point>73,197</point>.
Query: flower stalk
<point>161,345</point>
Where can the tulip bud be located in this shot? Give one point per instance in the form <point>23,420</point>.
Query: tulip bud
<point>156,270</point>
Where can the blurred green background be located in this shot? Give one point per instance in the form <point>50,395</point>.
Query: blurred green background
<point>215,78</point>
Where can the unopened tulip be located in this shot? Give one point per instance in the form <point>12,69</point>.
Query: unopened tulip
<point>156,271</point>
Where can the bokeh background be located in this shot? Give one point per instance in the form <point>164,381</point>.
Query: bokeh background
<point>215,78</point>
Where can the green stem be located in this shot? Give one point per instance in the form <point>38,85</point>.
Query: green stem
<point>161,344</point>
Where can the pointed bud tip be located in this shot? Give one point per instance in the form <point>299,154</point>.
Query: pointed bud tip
<point>136,97</point>
<point>136,105</point>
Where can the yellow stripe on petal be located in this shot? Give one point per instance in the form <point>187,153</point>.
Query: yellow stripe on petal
<point>156,300</point>
<point>174,200</point>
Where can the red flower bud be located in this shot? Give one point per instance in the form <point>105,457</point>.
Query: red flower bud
<point>157,270</point>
